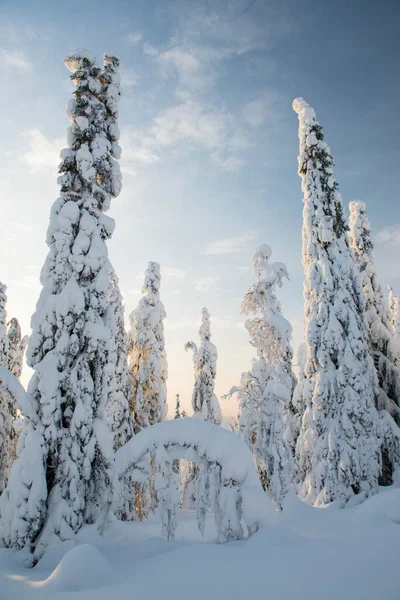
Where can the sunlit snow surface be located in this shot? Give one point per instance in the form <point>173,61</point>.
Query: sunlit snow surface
<point>306,553</point>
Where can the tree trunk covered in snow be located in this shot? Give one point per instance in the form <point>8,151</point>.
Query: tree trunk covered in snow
<point>337,452</point>
<point>61,477</point>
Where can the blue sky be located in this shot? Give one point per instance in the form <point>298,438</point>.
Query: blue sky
<point>209,144</point>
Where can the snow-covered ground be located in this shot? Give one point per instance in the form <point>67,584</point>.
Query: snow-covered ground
<point>327,554</point>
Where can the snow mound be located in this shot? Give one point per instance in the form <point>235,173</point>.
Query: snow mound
<point>81,568</point>
<point>385,506</point>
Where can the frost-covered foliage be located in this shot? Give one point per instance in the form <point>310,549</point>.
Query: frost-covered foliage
<point>225,466</point>
<point>394,306</point>
<point>12,349</point>
<point>62,475</point>
<point>147,358</point>
<point>337,452</point>
<point>266,390</point>
<point>204,402</point>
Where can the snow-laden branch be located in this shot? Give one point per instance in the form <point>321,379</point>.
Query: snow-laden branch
<point>24,401</point>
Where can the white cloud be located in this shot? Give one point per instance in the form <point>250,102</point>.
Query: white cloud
<point>129,77</point>
<point>149,49</point>
<point>229,163</point>
<point>232,245</point>
<point>389,235</point>
<point>137,149</point>
<point>173,272</point>
<point>16,59</point>
<point>205,283</point>
<point>181,324</point>
<point>192,123</point>
<point>43,153</point>
<point>135,37</point>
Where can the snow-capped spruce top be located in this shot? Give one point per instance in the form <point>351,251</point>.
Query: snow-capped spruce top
<point>204,402</point>
<point>337,452</point>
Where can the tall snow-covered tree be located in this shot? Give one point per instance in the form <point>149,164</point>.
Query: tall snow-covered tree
<point>204,402</point>
<point>61,478</point>
<point>147,358</point>
<point>8,411</point>
<point>12,348</point>
<point>149,371</point>
<point>337,452</point>
<point>267,388</point>
<point>119,392</point>
<point>394,306</point>
<point>380,331</point>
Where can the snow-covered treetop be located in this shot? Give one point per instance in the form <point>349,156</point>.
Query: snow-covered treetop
<point>376,308</point>
<point>204,401</point>
<point>360,228</point>
<point>313,148</point>
<point>152,279</point>
<point>272,326</point>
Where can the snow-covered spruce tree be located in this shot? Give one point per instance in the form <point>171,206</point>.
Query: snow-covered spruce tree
<point>177,408</point>
<point>394,306</point>
<point>337,452</point>
<point>204,402</point>
<point>377,311</point>
<point>12,349</point>
<point>205,406</point>
<point>70,344</point>
<point>268,387</point>
<point>119,392</point>
<point>380,333</point>
<point>149,371</point>
<point>8,411</point>
<point>147,357</point>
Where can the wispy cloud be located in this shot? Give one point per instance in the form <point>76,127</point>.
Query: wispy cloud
<point>195,125</point>
<point>15,59</point>
<point>231,245</point>
<point>134,38</point>
<point>175,272</point>
<point>205,283</point>
<point>43,153</point>
<point>129,77</point>
<point>389,235</point>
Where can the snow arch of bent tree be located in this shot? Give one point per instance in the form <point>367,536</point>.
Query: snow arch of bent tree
<point>241,505</point>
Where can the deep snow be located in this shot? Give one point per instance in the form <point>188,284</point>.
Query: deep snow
<point>304,553</point>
